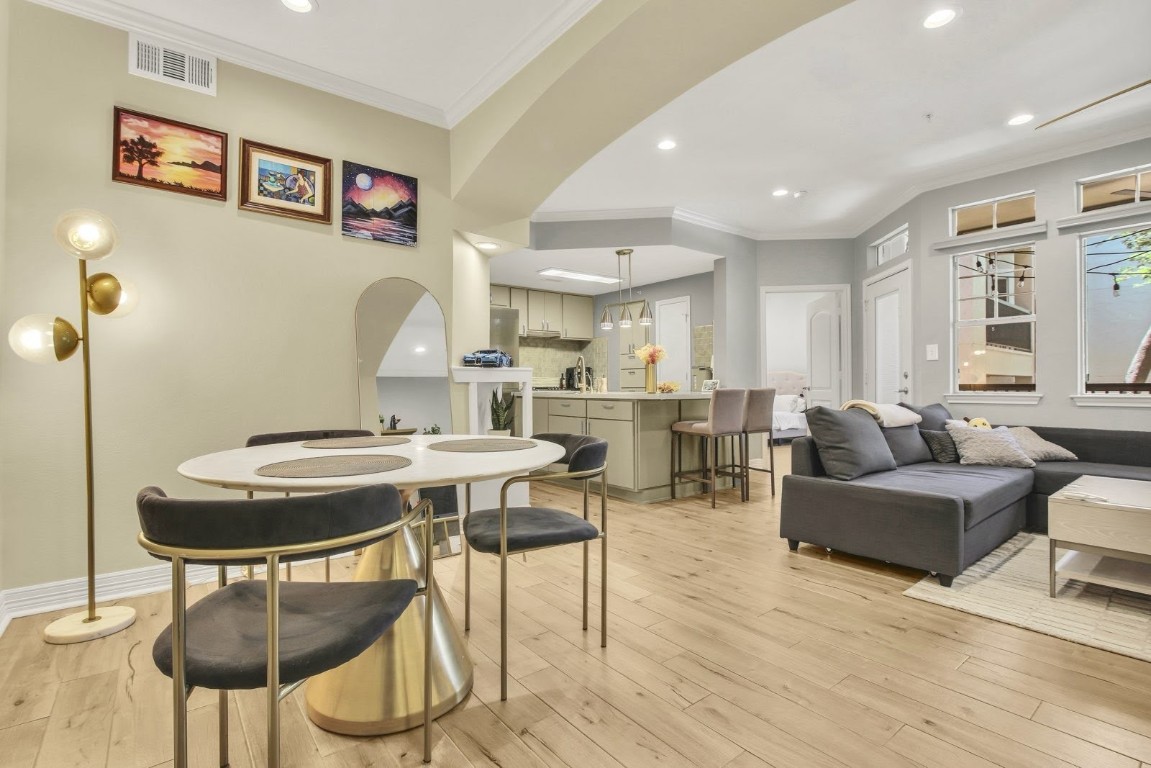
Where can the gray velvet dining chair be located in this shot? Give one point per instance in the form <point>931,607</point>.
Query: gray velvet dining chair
<point>224,641</point>
<point>505,530</point>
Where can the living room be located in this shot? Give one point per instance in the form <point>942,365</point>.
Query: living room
<point>724,647</point>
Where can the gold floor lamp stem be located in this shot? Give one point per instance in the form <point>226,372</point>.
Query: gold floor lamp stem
<point>89,485</point>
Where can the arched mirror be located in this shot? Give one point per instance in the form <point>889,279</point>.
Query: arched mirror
<point>401,341</point>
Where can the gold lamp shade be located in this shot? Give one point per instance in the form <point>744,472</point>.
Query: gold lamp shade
<point>104,292</point>
<point>43,338</point>
<point>86,234</point>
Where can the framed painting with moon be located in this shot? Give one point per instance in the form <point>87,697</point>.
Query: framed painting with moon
<point>284,182</point>
<point>378,205</point>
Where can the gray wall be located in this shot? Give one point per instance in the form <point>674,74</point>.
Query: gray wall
<point>1057,275</point>
<point>418,401</point>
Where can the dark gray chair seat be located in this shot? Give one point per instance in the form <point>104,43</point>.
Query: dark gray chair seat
<point>1051,476</point>
<point>321,627</point>
<point>528,528</point>
<point>983,490</point>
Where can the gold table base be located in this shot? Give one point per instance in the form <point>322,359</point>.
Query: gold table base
<point>382,690</point>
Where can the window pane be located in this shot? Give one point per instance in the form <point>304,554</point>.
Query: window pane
<point>996,357</point>
<point>1017,211</point>
<point>1145,186</point>
<point>1109,192</point>
<point>1118,328</point>
<point>974,218</point>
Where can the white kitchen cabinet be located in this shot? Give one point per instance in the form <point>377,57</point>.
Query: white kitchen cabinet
<point>500,296</point>
<point>578,318</point>
<point>518,299</point>
<point>545,312</point>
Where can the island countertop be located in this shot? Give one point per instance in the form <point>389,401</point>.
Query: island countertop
<point>638,396</point>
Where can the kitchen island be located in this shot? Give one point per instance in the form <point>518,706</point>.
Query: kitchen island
<point>637,427</point>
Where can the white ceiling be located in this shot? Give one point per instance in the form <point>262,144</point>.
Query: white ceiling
<point>650,264</point>
<point>434,60</point>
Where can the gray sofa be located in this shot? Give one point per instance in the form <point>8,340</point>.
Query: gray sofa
<point>944,517</point>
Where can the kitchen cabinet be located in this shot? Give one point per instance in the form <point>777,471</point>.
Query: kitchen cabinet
<point>578,314</point>
<point>632,379</point>
<point>518,299</point>
<point>545,312</point>
<point>500,296</point>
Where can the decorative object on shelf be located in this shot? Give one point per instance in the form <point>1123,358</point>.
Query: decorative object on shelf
<point>378,205</point>
<point>650,354</point>
<point>502,412</point>
<point>166,154</point>
<point>605,321</point>
<point>284,182</point>
<point>433,430</point>
<point>667,387</point>
<point>487,358</point>
<point>87,235</point>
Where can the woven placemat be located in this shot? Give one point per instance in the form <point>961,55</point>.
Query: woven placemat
<point>355,442</point>
<point>333,466</point>
<point>482,445</point>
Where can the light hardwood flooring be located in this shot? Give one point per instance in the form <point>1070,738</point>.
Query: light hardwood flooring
<point>725,651</point>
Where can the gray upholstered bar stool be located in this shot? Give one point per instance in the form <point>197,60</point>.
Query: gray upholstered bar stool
<point>725,418</point>
<point>760,405</point>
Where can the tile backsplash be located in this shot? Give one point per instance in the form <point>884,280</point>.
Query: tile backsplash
<point>548,358</point>
<point>701,345</point>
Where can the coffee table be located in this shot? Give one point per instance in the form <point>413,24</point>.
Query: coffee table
<point>1105,524</point>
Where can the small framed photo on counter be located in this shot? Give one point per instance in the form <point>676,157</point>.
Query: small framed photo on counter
<point>709,385</point>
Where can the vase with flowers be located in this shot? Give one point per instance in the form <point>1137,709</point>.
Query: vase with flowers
<point>650,354</point>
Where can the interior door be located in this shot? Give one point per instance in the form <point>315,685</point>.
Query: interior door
<point>825,368</point>
<point>673,333</point>
<point>887,338</point>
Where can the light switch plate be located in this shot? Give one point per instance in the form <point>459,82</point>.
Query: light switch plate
<point>932,351</point>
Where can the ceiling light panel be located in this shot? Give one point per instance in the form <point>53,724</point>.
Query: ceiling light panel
<point>939,18</point>
<point>584,276</point>
<point>1021,119</point>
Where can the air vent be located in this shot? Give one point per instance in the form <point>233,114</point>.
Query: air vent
<point>159,60</point>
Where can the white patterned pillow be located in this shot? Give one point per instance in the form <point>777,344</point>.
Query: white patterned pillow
<point>990,447</point>
<point>1038,448</point>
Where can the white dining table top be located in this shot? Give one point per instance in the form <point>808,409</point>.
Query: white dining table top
<point>236,468</point>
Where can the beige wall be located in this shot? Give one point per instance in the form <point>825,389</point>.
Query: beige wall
<point>246,321</point>
<point>4,13</point>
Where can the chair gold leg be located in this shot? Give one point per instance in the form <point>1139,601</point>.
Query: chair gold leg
<point>504,620</point>
<point>327,569</point>
<point>273,600</point>
<point>222,578</point>
<point>603,568</point>
<point>585,585</point>
<point>429,587</point>
<point>467,560</point>
<point>179,660</point>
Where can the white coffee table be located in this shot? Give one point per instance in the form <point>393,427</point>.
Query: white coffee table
<point>1105,523</point>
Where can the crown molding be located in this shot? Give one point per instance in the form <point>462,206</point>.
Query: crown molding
<point>617,214</point>
<point>115,15</point>
<point>700,220</point>
<point>523,52</point>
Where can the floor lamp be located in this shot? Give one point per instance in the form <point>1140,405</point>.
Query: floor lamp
<point>88,236</point>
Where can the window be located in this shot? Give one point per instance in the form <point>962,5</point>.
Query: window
<point>995,320</point>
<point>890,247</point>
<point>993,214</point>
<point>1117,310</point>
<point>1119,188</point>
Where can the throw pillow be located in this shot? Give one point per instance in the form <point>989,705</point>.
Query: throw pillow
<point>1038,448</point>
<point>933,415</point>
<point>849,442</point>
<point>990,447</point>
<point>941,445</point>
<point>907,447</point>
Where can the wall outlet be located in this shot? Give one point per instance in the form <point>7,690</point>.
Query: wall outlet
<point>932,351</point>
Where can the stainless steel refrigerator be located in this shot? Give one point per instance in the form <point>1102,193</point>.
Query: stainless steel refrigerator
<point>504,332</point>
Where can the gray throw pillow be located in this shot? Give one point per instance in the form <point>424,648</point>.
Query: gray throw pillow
<point>850,443</point>
<point>1038,448</point>
<point>941,445</point>
<point>907,447</point>
<point>989,447</point>
<point>934,415</point>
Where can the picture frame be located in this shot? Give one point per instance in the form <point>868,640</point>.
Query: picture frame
<point>285,182</point>
<point>158,152</point>
<point>710,385</point>
<point>378,205</point>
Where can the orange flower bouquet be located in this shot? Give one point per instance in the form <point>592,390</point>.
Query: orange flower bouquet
<point>651,353</point>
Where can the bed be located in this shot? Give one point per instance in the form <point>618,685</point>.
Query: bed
<point>788,421</point>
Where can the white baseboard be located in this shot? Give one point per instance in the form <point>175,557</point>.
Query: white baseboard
<point>70,593</point>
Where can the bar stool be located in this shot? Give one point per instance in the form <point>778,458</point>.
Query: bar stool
<point>760,406</point>
<point>725,418</point>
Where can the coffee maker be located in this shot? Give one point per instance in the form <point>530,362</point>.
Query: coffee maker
<point>571,382</point>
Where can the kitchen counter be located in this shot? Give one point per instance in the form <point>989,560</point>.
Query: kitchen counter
<point>570,394</point>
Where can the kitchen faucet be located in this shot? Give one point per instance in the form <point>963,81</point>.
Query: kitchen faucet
<point>581,385</point>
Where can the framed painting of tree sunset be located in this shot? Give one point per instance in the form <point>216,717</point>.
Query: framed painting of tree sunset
<point>166,154</point>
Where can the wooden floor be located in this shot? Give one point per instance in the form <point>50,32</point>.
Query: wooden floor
<point>725,649</point>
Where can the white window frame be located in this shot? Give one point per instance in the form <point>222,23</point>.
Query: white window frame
<point>1138,172</point>
<point>877,248</point>
<point>994,201</point>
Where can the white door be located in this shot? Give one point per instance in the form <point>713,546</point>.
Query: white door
<point>824,377</point>
<point>887,338</point>
<point>673,333</point>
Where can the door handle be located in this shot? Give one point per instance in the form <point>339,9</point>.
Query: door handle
<point>903,391</point>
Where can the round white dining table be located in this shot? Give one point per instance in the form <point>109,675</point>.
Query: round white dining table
<point>381,690</point>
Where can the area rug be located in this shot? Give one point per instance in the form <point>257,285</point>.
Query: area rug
<point>1010,585</point>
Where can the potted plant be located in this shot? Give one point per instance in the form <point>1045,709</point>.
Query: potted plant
<point>502,411</point>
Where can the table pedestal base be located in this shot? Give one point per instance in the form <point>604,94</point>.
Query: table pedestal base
<point>382,690</point>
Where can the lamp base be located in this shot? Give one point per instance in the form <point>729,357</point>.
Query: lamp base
<point>75,628</point>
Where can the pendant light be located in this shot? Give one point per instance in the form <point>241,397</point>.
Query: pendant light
<point>625,318</point>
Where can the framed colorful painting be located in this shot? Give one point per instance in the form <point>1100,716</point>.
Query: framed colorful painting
<point>378,205</point>
<point>284,182</point>
<point>166,154</point>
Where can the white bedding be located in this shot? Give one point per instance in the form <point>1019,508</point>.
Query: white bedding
<point>782,420</point>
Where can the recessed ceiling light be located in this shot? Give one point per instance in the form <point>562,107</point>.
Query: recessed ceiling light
<point>666,144</point>
<point>487,246</point>
<point>799,193</point>
<point>419,350</point>
<point>1021,119</point>
<point>568,274</point>
<point>939,18</point>
<point>780,192</point>
<point>300,6</point>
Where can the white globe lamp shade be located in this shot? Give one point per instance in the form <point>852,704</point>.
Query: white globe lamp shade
<point>86,234</point>
<point>129,298</point>
<point>43,338</point>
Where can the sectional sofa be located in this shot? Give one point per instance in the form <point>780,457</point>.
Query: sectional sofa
<point>943,517</point>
